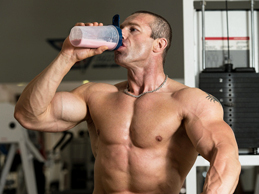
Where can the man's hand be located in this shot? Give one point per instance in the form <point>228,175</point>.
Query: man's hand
<point>75,54</point>
<point>40,107</point>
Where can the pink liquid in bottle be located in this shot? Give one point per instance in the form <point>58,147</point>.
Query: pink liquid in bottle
<point>90,43</point>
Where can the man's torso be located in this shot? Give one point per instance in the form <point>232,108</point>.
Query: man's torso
<point>140,144</point>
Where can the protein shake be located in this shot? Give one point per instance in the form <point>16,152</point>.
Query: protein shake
<point>96,36</point>
<point>91,43</point>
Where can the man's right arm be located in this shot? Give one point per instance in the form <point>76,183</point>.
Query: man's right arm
<point>40,107</point>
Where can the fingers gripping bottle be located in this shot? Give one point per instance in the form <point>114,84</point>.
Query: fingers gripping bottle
<point>96,36</point>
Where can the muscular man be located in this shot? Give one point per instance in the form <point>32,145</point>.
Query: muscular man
<point>145,132</point>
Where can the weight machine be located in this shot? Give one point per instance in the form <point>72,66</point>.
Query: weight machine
<point>194,62</point>
<point>14,134</point>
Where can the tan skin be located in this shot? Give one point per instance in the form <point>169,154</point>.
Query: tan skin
<point>141,145</point>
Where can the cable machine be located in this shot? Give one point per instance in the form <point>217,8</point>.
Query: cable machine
<point>237,89</point>
<point>240,70</point>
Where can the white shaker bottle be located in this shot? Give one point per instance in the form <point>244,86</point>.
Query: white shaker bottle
<point>96,36</point>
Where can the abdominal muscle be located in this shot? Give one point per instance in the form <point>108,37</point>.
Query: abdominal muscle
<point>121,169</point>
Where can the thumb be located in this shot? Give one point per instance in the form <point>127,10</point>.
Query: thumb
<point>100,50</point>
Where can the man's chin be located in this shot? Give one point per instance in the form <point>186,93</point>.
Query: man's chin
<point>119,61</point>
<point>120,57</point>
<point>117,55</point>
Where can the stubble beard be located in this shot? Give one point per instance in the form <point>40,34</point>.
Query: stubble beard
<point>119,58</point>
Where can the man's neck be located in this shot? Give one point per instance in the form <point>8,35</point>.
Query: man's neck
<point>142,80</point>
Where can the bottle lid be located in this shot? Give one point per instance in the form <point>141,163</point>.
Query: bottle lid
<point>116,24</point>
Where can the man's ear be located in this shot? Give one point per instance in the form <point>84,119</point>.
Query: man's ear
<point>159,45</point>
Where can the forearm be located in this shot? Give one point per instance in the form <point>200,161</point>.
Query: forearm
<point>39,103</point>
<point>223,174</point>
<point>37,96</point>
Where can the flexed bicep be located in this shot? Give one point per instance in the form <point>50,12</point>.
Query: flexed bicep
<point>67,110</point>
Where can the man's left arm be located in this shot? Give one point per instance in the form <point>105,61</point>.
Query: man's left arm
<point>215,141</point>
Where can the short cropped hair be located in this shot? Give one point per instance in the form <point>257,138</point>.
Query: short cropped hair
<point>160,29</point>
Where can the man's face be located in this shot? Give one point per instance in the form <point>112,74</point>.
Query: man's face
<point>137,43</point>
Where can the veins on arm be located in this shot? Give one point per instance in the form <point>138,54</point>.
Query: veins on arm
<point>204,118</point>
<point>215,141</point>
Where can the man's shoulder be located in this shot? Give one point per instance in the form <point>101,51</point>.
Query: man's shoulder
<point>194,95</point>
<point>182,91</point>
<point>196,101</point>
<point>186,92</point>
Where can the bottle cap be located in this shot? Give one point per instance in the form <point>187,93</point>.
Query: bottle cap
<point>116,24</point>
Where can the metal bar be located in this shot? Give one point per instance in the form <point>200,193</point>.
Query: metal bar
<point>28,167</point>
<point>252,34</point>
<point>203,35</point>
<point>220,5</point>
<point>228,60</point>
<point>7,166</point>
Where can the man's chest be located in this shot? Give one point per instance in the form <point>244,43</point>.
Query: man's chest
<point>117,118</point>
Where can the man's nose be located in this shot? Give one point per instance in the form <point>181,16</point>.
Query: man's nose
<point>124,36</point>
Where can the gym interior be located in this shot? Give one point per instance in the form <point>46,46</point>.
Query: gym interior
<point>214,46</point>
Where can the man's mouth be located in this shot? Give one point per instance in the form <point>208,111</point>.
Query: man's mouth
<point>122,46</point>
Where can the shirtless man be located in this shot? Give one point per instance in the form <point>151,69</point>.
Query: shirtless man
<point>146,144</point>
